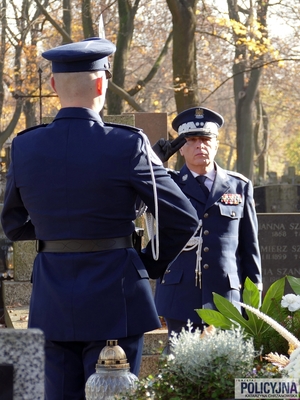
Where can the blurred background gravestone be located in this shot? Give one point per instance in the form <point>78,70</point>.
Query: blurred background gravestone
<point>278,212</point>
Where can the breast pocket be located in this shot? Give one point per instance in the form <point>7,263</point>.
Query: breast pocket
<point>231,211</point>
<point>229,220</point>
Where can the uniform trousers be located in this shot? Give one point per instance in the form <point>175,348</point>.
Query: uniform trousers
<point>68,365</point>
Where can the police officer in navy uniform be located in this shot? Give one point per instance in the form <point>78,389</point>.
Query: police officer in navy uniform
<point>73,185</point>
<point>226,249</point>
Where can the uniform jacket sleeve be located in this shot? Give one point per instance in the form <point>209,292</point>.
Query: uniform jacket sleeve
<point>15,219</point>
<point>248,241</point>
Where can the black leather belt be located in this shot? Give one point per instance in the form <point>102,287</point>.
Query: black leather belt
<point>82,245</point>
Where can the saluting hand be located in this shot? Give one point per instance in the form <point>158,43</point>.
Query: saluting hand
<point>164,149</point>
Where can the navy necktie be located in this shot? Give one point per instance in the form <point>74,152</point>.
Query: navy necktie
<point>201,179</point>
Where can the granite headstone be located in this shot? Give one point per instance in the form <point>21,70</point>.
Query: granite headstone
<point>279,239</point>
<point>23,350</point>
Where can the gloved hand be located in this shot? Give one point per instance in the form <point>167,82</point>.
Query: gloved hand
<point>164,149</point>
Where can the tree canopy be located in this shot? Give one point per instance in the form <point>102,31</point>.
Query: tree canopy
<point>240,59</point>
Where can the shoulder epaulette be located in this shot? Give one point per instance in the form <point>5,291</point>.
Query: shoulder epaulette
<point>31,129</point>
<point>238,175</point>
<point>130,127</point>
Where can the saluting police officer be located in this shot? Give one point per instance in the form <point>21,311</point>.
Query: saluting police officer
<point>226,249</point>
<point>73,186</point>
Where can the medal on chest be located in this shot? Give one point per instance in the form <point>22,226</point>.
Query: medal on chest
<point>231,198</point>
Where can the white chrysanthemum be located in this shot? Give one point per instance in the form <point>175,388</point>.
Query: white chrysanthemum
<point>293,368</point>
<point>201,358</point>
<point>291,302</point>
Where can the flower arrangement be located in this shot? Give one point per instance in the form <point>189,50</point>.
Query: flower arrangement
<point>203,366</point>
<point>287,315</point>
<point>275,304</point>
<point>290,367</point>
<point>278,315</point>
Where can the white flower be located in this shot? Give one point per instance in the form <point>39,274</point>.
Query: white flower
<point>291,302</point>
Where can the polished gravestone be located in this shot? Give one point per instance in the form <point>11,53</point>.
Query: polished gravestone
<point>279,241</point>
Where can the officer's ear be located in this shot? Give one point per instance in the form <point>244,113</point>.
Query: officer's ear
<point>52,82</point>
<point>99,82</point>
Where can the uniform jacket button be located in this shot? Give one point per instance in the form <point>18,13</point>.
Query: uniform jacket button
<point>206,233</point>
<point>163,281</point>
<point>206,249</point>
<point>205,266</point>
<point>205,215</point>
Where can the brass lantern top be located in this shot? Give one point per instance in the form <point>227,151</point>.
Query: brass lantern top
<point>112,356</point>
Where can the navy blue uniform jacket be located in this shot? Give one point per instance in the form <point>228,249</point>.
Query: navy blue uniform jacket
<point>79,179</point>
<point>230,249</point>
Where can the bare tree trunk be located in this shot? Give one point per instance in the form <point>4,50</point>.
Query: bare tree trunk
<point>67,18</point>
<point>261,139</point>
<point>184,57</point>
<point>247,73</point>
<point>244,124</point>
<point>87,20</point>
<point>184,53</point>
<point>8,130</point>
<point>126,16</point>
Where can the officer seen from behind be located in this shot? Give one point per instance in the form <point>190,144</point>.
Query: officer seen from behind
<point>73,185</point>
